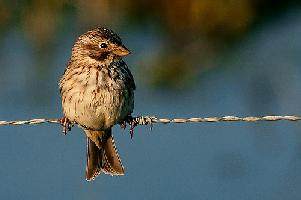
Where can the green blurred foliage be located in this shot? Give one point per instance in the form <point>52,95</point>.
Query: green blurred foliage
<point>194,32</point>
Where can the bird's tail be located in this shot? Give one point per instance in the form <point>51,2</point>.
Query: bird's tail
<point>102,155</point>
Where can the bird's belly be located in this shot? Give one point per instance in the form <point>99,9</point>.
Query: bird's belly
<point>97,108</point>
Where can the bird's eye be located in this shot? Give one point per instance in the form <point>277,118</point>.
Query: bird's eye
<point>103,45</point>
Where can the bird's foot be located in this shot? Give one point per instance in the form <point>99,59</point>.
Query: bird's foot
<point>67,125</point>
<point>129,120</point>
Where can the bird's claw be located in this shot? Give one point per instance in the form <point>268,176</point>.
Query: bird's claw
<point>67,125</point>
<point>133,125</point>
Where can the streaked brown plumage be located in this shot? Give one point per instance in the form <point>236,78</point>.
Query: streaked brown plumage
<point>97,91</point>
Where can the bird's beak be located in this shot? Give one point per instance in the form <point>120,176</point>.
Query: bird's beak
<point>121,51</point>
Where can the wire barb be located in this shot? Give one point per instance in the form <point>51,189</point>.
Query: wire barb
<point>150,120</point>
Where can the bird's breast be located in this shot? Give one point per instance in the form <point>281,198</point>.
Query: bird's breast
<point>96,97</point>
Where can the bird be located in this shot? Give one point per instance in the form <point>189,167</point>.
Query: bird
<point>97,92</point>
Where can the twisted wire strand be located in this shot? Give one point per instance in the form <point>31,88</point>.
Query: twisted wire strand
<point>149,120</point>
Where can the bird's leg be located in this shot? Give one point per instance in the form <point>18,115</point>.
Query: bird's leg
<point>67,125</point>
<point>123,124</point>
<point>127,120</point>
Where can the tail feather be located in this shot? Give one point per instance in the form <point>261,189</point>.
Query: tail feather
<point>112,162</point>
<point>93,167</point>
<point>102,155</point>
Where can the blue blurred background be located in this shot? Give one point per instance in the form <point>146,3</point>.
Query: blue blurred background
<point>194,58</point>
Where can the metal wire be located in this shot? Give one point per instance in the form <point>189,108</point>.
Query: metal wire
<point>149,120</point>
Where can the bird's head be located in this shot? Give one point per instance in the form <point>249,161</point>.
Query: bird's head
<point>99,44</point>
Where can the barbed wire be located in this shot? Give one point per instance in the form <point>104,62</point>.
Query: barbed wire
<point>150,120</point>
